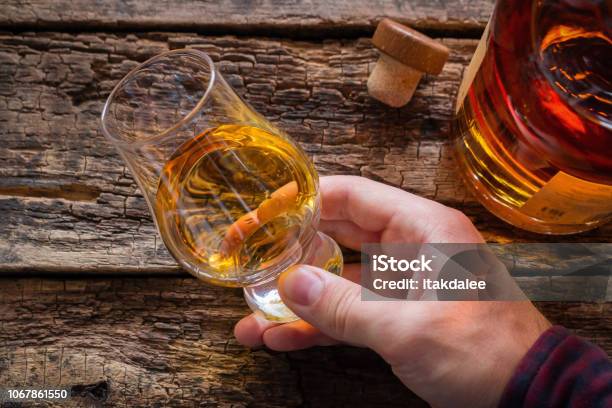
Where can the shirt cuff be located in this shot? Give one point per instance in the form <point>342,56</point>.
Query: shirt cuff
<point>560,369</point>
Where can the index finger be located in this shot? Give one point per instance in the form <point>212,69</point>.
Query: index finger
<point>367,203</point>
<point>356,199</point>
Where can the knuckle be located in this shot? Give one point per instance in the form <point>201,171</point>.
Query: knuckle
<point>454,225</point>
<point>458,217</point>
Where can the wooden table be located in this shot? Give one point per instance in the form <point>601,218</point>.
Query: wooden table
<point>89,296</point>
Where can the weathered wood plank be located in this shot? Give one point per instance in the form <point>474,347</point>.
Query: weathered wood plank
<point>69,204</point>
<point>168,342</point>
<point>310,18</point>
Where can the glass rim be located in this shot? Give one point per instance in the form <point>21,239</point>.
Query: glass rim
<point>205,58</point>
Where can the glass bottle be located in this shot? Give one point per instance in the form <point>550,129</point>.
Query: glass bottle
<point>533,125</point>
<point>235,200</point>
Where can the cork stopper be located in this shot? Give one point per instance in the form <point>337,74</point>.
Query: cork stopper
<point>406,55</point>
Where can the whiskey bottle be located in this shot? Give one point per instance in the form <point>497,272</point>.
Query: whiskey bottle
<point>533,124</point>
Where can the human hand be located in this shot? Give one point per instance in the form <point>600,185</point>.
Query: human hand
<point>448,353</point>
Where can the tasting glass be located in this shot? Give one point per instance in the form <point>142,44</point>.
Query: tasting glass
<point>170,106</point>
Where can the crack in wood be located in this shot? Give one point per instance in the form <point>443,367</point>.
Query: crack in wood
<point>97,392</point>
<point>70,192</point>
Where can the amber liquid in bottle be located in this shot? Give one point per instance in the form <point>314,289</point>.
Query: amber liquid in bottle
<point>533,125</point>
<point>235,200</point>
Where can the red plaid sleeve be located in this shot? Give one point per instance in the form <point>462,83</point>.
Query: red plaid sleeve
<point>561,370</point>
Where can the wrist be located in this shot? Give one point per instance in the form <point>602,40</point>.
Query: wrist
<point>512,333</point>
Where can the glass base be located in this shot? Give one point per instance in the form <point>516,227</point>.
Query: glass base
<point>264,298</point>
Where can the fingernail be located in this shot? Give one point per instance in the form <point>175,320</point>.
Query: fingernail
<point>301,285</point>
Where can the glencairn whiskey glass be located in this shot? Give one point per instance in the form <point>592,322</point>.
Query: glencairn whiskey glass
<point>234,199</point>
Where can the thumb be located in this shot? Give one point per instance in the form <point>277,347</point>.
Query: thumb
<point>330,303</point>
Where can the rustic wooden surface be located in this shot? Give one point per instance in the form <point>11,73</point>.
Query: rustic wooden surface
<point>306,18</point>
<point>141,342</point>
<point>167,341</point>
<point>69,207</point>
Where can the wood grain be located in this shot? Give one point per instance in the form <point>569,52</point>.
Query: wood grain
<point>69,204</point>
<point>305,18</point>
<point>168,342</point>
